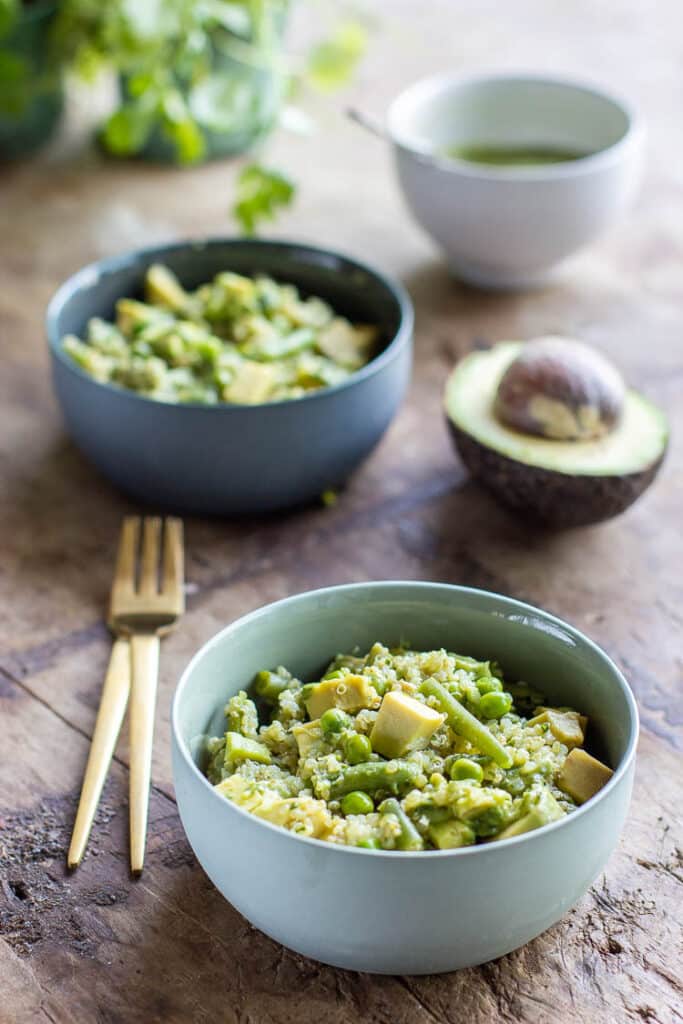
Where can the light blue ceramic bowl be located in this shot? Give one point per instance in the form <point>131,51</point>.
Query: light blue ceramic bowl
<point>402,913</point>
<point>233,459</point>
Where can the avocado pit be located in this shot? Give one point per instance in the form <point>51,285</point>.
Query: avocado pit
<point>561,389</point>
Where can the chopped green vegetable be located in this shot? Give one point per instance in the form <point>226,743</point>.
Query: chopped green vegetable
<point>334,720</point>
<point>449,835</point>
<point>406,763</point>
<point>357,802</point>
<point>241,748</point>
<point>408,838</point>
<point>495,705</point>
<point>357,748</point>
<point>463,768</point>
<point>373,776</point>
<point>269,685</point>
<point>235,339</point>
<point>464,723</point>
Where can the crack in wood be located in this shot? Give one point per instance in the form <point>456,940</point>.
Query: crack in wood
<point>25,688</point>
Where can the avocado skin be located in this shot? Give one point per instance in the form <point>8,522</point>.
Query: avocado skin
<point>547,495</point>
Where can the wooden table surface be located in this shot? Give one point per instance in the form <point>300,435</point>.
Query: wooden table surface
<point>95,946</point>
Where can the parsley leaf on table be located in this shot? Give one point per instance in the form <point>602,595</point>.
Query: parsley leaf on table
<point>261,192</point>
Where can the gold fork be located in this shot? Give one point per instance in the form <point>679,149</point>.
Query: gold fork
<point>147,598</point>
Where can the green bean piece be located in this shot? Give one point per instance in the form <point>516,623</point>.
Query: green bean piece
<point>307,691</point>
<point>465,724</point>
<point>357,802</point>
<point>333,720</point>
<point>463,768</point>
<point>495,705</point>
<point>241,748</point>
<point>409,838</point>
<point>269,685</point>
<point>374,775</point>
<point>334,674</point>
<point>369,844</point>
<point>357,748</point>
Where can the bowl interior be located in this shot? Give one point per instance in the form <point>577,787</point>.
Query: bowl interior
<point>303,633</point>
<point>351,288</point>
<point>504,111</point>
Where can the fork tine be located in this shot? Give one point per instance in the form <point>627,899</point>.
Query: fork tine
<point>149,563</point>
<point>172,579</point>
<point>124,573</point>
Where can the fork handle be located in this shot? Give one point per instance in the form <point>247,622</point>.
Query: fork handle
<point>144,654</point>
<point>107,727</point>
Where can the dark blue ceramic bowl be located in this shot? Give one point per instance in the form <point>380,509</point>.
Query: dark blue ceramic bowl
<point>233,459</point>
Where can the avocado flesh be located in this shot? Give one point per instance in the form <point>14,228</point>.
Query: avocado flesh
<point>565,483</point>
<point>403,724</point>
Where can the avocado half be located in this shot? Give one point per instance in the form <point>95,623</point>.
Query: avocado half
<point>563,483</point>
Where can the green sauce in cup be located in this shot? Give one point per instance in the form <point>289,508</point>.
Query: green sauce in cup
<point>513,156</point>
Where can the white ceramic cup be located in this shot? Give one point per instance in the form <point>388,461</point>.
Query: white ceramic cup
<point>508,227</point>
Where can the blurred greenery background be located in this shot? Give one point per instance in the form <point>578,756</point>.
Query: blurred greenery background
<point>195,79</point>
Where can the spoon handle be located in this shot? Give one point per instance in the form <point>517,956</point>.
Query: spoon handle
<point>368,122</point>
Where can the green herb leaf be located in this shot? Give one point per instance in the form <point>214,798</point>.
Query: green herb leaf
<point>127,130</point>
<point>261,192</point>
<point>8,15</point>
<point>188,140</point>
<point>181,128</point>
<point>332,63</point>
<point>14,84</point>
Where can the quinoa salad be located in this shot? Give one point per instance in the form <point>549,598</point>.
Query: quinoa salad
<point>402,750</point>
<point>236,339</point>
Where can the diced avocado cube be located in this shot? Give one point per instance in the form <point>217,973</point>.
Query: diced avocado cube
<point>251,384</point>
<point>162,288</point>
<point>307,736</point>
<point>544,810</point>
<point>448,835</point>
<point>403,724</point>
<point>350,693</point>
<point>241,748</point>
<point>132,315</point>
<point>566,726</point>
<point>236,285</point>
<point>581,776</point>
<point>347,345</point>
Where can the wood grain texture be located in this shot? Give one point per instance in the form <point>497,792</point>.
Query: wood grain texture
<point>97,946</point>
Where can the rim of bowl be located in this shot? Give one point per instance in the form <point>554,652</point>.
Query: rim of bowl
<point>111,263</point>
<point>431,85</point>
<point>424,586</point>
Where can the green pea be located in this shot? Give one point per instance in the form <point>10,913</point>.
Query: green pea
<point>369,844</point>
<point>495,705</point>
<point>357,748</point>
<point>489,684</point>
<point>357,802</point>
<point>463,768</point>
<point>333,720</point>
<point>380,686</point>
